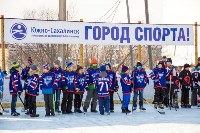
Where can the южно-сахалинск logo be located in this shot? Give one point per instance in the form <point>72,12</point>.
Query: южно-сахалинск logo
<point>18,31</point>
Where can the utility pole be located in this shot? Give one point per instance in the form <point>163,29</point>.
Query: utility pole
<point>62,17</point>
<point>196,43</point>
<point>129,21</point>
<point>2,44</point>
<point>149,46</point>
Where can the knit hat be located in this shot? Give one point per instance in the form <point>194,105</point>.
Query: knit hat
<point>46,66</point>
<point>15,64</point>
<point>57,62</point>
<point>108,64</point>
<point>139,64</point>
<point>69,64</point>
<point>169,60</point>
<point>124,68</point>
<point>102,68</point>
<point>94,61</point>
<point>186,65</point>
<point>33,67</point>
<point>30,61</point>
<point>164,57</point>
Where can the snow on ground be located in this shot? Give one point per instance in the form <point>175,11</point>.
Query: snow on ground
<point>181,121</point>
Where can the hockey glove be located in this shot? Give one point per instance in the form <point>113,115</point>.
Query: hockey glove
<point>77,89</point>
<point>65,88</point>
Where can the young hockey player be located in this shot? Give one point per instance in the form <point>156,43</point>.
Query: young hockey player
<point>102,83</point>
<point>195,98</point>
<point>48,84</point>
<point>32,85</point>
<point>15,86</point>
<point>172,82</point>
<point>140,80</point>
<point>68,83</point>
<point>1,89</point>
<point>114,86</point>
<point>57,70</point>
<point>126,82</point>
<point>80,84</point>
<point>91,74</point>
<point>159,76</point>
<point>24,76</point>
<point>185,78</point>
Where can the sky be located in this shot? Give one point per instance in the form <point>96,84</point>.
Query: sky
<point>161,12</point>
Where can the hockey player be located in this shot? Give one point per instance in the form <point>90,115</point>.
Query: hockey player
<point>172,83</point>
<point>159,76</point>
<point>91,74</point>
<point>48,84</point>
<point>140,80</point>
<point>195,98</point>
<point>185,78</point>
<point>32,85</point>
<point>68,83</point>
<point>57,70</point>
<point>24,76</point>
<point>114,86</point>
<point>15,86</point>
<point>126,82</point>
<point>102,83</point>
<point>1,89</point>
<point>80,86</point>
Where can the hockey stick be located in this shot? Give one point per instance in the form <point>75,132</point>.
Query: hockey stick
<point>7,111</point>
<point>153,107</point>
<point>170,88</point>
<point>121,102</point>
<point>21,99</point>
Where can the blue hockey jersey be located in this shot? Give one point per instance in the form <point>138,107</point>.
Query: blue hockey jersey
<point>91,75</point>
<point>58,73</point>
<point>113,79</point>
<point>48,83</point>
<point>102,84</point>
<point>68,80</point>
<point>80,83</point>
<point>15,85</point>
<point>32,85</point>
<point>1,78</point>
<point>24,73</point>
<point>140,79</point>
<point>159,76</point>
<point>126,82</point>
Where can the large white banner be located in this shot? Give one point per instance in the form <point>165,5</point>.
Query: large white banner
<point>59,32</point>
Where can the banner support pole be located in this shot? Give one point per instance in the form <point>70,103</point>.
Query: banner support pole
<point>139,49</point>
<point>81,51</point>
<point>196,43</point>
<point>2,43</point>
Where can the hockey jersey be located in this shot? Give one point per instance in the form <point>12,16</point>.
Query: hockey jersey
<point>102,84</point>
<point>32,85</point>
<point>185,78</point>
<point>195,78</point>
<point>113,79</point>
<point>126,82</point>
<point>48,83</point>
<point>172,72</point>
<point>68,80</point>
<point>80,83</point>
<point>58,73</point>
<point>24,73</point>
<point>158,75</point>
<point>15,85</point>
<point>91,75</point>
<point>1,78</point>
<point>140,79</point>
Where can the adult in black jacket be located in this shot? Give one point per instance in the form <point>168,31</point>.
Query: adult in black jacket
<point>185,78</point>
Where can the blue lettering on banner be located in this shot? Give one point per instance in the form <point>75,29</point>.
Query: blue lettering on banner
<point>160,34</point>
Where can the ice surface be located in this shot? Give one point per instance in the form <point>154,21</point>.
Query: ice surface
<point>181,121</point>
